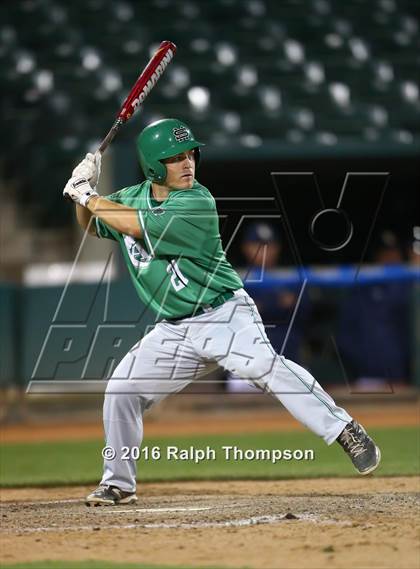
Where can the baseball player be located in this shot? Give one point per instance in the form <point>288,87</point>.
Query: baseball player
<point>168,231</point>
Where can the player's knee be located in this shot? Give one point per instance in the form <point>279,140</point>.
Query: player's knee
<point>117,402</point>
<point>117,387</point>
<point>255,369</point>
<point>120,405</point>
<point>122,395</point>
<point>117,394</point>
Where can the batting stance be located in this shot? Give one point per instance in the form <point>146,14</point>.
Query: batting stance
<point>168,231</point>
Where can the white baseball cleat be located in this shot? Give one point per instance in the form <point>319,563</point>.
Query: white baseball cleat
<point>110,496</point>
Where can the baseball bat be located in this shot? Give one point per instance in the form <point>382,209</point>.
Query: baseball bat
<point>141,88</point>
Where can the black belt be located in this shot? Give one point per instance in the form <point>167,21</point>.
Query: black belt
<point>218,301</point>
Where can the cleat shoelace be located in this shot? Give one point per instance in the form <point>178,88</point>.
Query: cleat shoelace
<point>353,443</point>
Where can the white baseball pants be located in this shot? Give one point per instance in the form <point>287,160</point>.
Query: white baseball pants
<point>172,355</point>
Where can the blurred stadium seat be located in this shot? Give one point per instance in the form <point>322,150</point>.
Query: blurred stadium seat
<point>248,73</point>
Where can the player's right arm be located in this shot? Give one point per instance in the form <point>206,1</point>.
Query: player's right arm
<point>84,219</point>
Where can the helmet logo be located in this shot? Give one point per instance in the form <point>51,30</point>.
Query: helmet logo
<point>181,134</point>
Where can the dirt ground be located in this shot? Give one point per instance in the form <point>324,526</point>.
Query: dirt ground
<point>338,523</point>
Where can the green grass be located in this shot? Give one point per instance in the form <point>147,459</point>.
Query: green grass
<point>93,565</point>
<point>81,462</point>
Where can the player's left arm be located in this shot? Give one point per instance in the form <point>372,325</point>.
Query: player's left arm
<point>120,217</point>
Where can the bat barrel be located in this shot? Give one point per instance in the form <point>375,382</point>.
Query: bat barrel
<point>142,87</point>
<point>147,79</point>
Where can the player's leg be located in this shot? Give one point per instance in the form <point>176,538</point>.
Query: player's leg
<point>163,362</point>
<point>235,336</point>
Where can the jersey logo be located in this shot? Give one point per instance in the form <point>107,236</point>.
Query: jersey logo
<point>181,134</point>
<point>139,257</point>
<point>158,210</point>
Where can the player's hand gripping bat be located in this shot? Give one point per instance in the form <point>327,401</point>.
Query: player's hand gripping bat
<point>141,88</point>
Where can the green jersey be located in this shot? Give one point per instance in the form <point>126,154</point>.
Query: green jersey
<point>179,265</point>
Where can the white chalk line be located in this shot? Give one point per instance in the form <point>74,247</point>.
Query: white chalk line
<point>242,522</point>
<point>154,510</point>
<point>115,511</point>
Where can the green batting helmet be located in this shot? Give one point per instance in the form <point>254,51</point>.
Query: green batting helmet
<point>163,139</point>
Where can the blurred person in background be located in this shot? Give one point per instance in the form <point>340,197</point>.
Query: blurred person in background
<point>262,250</point>
<point>374,331</point>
